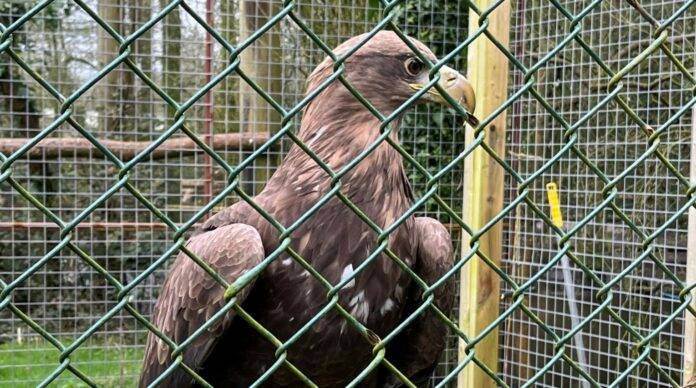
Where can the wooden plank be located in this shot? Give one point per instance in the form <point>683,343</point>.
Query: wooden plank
<point>690,320</point>
<point>483,196</point>
<point>93,226</point>
<point>178,146</point>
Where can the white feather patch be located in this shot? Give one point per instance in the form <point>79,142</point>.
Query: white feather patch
<point>360,308</point>
<point>399,293</point>
<point>361,311</point>
<point>388,306</point>
<point>316,136</point>
<point>347,272</point>
<point>357,298</point>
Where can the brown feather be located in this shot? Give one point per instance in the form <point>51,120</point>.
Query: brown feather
<point>415,351</point>
<point>190,296</point>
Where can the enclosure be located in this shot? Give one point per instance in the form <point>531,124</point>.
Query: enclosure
<point>124,124</point>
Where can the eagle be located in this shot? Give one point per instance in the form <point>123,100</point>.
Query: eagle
<point>284,297</point>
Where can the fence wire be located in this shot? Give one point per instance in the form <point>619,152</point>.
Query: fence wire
<point>650,195</point>
<point>186,106</point>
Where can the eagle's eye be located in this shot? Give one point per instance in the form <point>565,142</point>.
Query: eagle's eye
<point>413,66</point>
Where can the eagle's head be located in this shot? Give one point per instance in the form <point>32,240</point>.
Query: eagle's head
<point>387,73</point>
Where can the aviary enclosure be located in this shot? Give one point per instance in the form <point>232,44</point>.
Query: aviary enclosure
<point>595,97</point>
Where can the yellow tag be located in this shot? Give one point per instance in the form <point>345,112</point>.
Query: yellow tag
<point>555,204</point>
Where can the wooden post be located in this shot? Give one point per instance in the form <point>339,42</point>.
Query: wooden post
<point>483,197</point>
<point>690,320</point>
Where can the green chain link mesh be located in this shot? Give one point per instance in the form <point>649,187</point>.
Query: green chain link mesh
<point>614,86</point>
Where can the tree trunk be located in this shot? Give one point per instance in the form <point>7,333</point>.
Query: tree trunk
<point>171,52</point>
<point>24,116</point>
<point>107,94</point>
<point>261,62</point>
<point>227,101</point>
<point>143,47</point>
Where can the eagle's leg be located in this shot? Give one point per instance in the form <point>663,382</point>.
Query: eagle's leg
<point>416,350</point>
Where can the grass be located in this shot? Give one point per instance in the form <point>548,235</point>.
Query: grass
<point>27,364</point>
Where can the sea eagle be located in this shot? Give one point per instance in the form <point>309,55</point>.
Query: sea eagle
<point>334,240</point>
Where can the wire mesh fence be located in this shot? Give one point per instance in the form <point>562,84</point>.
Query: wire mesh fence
<point>79,227</point>
<point>573,83</point>
<point>67,47</point>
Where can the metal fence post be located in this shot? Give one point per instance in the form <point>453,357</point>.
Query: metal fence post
<point>483,193</point>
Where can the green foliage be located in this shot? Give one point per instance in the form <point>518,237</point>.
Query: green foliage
<point>434,135</point>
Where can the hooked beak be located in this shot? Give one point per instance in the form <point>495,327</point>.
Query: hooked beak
<point>457,86</point>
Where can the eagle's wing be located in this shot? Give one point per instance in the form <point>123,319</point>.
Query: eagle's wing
<point>190,297</point>
<point>416,350</point>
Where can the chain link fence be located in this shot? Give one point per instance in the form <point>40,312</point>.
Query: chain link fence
<point>127,122</point>
<point>650,194</point>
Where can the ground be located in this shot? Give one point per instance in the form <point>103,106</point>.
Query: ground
<point>28,363</point>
